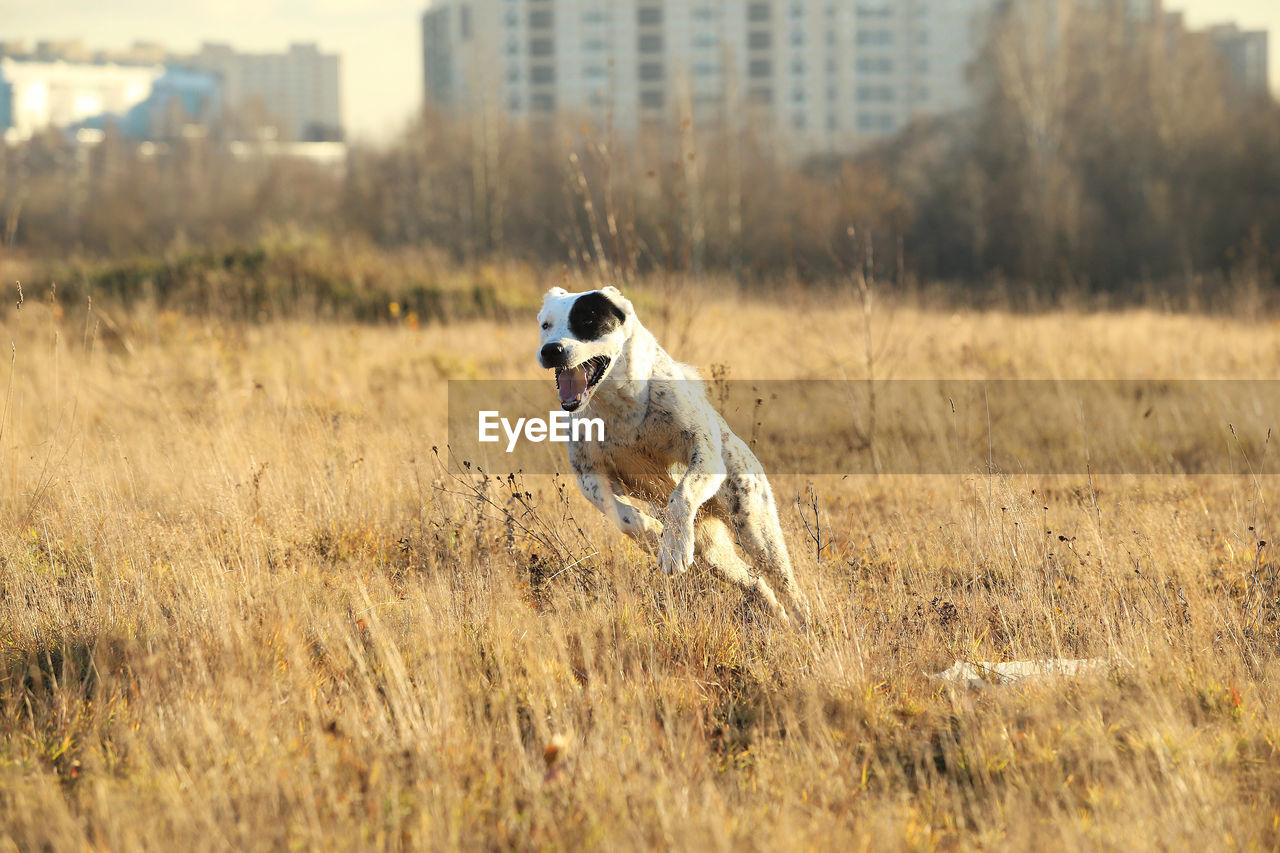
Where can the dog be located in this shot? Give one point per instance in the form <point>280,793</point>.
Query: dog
<point>665,446</point>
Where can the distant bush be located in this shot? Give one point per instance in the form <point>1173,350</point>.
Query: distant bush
<point>297,276</point>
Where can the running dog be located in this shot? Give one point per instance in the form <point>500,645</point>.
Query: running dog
<point>664,446</point>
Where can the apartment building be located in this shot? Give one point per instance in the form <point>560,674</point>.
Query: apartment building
<point>297,91</point>
<point>819,74</point>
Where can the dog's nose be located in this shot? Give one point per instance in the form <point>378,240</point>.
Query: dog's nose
<point>552,355</point>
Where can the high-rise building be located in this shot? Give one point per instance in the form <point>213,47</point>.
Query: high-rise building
<point>297,92</point>
<point>820,74</point>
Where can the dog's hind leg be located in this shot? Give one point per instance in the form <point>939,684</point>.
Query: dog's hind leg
<point>714,545</point>
<point>759,533</point>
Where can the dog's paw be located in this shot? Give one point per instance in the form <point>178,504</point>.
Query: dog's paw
<point>675,553</point>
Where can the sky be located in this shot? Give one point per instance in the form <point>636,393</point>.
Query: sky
<point>379,40</point>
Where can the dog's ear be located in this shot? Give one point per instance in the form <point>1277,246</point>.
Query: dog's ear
<point>616,297</point>
<point>556,291</point>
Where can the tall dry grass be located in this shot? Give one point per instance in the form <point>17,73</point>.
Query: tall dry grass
<point>242,605</point>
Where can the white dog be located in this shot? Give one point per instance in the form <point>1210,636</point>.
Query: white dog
<point>664,445</point>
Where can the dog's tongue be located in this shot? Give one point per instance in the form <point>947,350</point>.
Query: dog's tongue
<point>571,383</point>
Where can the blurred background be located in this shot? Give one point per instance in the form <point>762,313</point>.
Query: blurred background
<point>1030,148</point>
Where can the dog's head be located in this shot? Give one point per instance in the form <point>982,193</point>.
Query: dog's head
<point>582,336</point>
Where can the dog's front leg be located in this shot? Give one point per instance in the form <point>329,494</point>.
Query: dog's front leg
<point>603,494</point>
<point>700,482</point>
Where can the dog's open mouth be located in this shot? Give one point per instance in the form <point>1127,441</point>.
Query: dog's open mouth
<point>575,384</point>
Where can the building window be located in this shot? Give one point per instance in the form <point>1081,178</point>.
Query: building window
<point>593,45</point>
<point>797,95</point>
<point>798,120</point>
<point>866,121</point>
<point>514,104</point>
<point>874,94</point>
<point>651,71</point>
<point>513,47</point>
<point>831,93</point>
<point>593,71</point>
<point>651,98</point>
<point>649,44</point>
<point>831,65</point>
<point>704,69</point>
<point>704,13</point>
<point>543,102</point>
<point>875,65</point>
<point>886,121</point>
<point>922,93</point>
<point>540,19</point>
<point>922,66</point>
<point>797,66</point>
<point>797,37</point>
<point>870,37</point>
<point>541,47</point>
<point>922,37</point>
<point>797,10</point>
<point>760,68</point>
<point>758,41</point>
<point>704,40</point>
<point>513,74</point>
<point>758,12</point>
<point>543,74</point>
<point>649,15</point>
<point>593,16</point>
<point>831,122</point>
<point>760,95</point>
<point>513,20</point>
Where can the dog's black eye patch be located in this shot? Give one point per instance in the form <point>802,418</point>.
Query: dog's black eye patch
<point>593,316</point>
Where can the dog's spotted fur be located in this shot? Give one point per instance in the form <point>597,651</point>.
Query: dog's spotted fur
<point>665,446</point>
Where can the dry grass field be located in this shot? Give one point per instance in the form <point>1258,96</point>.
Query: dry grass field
<point>244,606</point>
